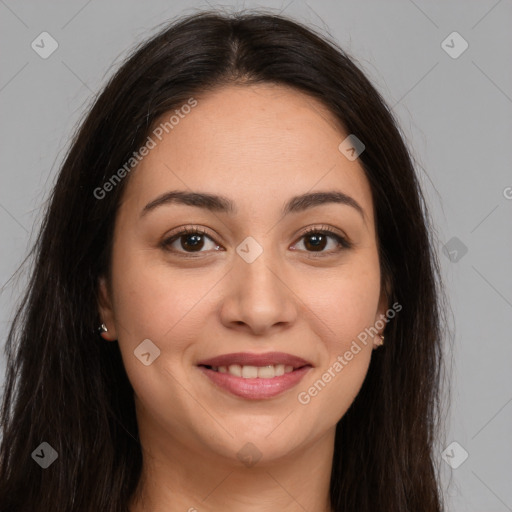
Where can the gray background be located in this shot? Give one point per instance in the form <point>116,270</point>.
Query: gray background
<point>455,113</point>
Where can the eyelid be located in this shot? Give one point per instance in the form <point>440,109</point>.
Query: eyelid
<point>184,230</point>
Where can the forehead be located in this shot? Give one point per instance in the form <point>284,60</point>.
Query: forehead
<point>258,145</point>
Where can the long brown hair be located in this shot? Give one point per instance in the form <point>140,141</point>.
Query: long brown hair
<point>67,387</point>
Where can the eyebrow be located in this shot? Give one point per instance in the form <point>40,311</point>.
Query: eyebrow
<point>222,204</point>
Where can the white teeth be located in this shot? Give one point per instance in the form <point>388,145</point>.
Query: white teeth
<point>253,372</point>
<point>235,369</point>
<point>249,372</point>
<point>280,369</point>
<point>266,372</point>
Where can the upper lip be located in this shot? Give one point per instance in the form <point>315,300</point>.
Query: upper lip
<point>250,359</point>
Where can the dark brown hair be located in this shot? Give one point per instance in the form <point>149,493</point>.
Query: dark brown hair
<point>66,386</point>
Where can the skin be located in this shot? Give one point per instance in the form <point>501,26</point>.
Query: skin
<point>259,146</point>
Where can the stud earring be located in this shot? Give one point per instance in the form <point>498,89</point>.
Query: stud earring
<point>379,343</point>
<point>102,329</point>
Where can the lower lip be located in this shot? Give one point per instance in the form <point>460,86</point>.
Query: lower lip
<point>256,389</point>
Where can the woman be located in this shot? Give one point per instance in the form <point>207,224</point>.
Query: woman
<point>240,217</point>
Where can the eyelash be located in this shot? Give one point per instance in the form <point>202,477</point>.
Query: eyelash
<point>323,230</point>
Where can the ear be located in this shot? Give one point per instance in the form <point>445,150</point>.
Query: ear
<point>106,310</point>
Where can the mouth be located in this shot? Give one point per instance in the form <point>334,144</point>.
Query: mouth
<point>255,376</point>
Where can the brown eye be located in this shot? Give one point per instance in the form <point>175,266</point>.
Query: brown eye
<point>316,240</point>
<point>194,242</point>
<point>188,241</point>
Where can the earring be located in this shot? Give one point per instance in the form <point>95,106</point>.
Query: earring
<point>102,329</point>
<point>379,343</point>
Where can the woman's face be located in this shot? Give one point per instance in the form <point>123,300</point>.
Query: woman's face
<point>250,282</point>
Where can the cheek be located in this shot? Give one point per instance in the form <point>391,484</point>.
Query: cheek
<point>151,298</point>
<point>153,303</point>
<point>163,304</point>
<point>347,349</point>
<point>347,302</point>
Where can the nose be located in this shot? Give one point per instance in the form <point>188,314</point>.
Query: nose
<point>258,298</point>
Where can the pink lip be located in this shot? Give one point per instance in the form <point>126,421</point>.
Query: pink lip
<point>255,389</point>
<point>248,359</point>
